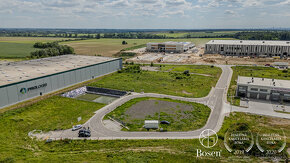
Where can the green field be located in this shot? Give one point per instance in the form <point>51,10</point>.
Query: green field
<point>161,82</point>
<point>181,119</point>
<point>200,69</point>
<point>60,113</point>
<point>261,72</point>
<point>197,34</point>
<point>109,47</point>
<point>20,47</point>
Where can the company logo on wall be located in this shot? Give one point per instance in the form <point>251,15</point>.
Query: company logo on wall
<point>25,90</point>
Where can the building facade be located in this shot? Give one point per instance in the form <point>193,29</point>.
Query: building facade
<point>250,48</point>
<point>50,74</point>
<point>264,89</point>
<point>168,47</point>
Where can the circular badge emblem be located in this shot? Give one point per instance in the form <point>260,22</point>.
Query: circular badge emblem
<point>208,138</point>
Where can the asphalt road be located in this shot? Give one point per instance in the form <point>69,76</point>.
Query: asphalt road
<point>216,100</point>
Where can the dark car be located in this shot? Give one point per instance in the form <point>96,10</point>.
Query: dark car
<point>84,133</point>
<point>165,122</point>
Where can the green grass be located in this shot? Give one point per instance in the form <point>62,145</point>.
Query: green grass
<point>17,146</point>
<point>88,97</point>
<point>200,69</point>
<point>110,47</point>
<point>20,47</point>
<point>261,72</point>
<point>159,82</point>
<point>15,50</point>
<point>180,120</point>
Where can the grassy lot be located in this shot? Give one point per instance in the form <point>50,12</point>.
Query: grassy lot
<point>88,97</point>
<point>109,47</point>
<point>200,69</point>
<point>160,82</point>
<point>261,72</point>
<point>183,116</point>
<point>20,47</point>
<point>60,112</point>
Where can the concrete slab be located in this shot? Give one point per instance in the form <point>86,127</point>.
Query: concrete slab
<point>112,125</point>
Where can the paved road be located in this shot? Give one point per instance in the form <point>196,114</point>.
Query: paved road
<point>215,100</point>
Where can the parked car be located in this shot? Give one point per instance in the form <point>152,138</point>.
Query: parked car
<point>84,133</point>
<point>267,65</point>
<point>165,122</point>
<point>76,127</point>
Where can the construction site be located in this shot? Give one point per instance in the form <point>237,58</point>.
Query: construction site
<point>197,55</point>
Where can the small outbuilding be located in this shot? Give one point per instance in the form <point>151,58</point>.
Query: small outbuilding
<point>151,124</point>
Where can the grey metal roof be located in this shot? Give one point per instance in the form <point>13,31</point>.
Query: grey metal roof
<point>14,72</point>
<point>266,82</point>
<point>249,42</point>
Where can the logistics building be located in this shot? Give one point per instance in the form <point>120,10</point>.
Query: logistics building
<point>251,48</point>
<point>263,88</point>
<point>170,46</point>
<point>20,81</point>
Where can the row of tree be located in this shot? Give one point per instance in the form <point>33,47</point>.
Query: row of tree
<point>51,49</point>
<point>266,35</point>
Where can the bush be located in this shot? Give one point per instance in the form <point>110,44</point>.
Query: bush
<point>51,49</point>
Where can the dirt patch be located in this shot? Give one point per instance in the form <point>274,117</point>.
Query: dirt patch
<point>151,107</point>
<point>280,122</point>
<point>187,93</point>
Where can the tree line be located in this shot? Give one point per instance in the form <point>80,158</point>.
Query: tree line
<point>50,49</point>
<point>263,35</point>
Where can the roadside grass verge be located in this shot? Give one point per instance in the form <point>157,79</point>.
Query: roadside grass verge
<point>260,72</point>
<point>159,82</point>
<point>182,115</point>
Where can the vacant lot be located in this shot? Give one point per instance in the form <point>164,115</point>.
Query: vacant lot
<point>109,47</point>
<point>161,82</point>
<point>261,72</point>
<point>20,47</point>
<point>183,116</point>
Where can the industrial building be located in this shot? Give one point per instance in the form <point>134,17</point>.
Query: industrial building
<point>263,88</point>
<point>169,47</point>
<point>252,48</point>
<point>20,81</point>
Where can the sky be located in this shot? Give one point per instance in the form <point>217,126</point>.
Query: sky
<point>145,14</point>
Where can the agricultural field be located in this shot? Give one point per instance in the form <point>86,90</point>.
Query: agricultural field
<point>183,116</point>
<point>109,47</point>
<point>169,83</point>
<point>197,34</point>
<point>260,72</point>
<point>61,113</point>
<point>20,47</point>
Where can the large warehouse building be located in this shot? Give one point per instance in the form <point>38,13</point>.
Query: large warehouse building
<point>262,88</point>
<point>249,48</point>
<point>170,46</point>
<point>20,81</point>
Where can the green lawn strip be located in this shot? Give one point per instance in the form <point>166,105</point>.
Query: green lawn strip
<point>260,72</point>
<point>159,82</point>
<point>180,120</point>
<point>88,97</point>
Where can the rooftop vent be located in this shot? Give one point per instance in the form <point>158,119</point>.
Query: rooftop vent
<point>241,41</point>
<point>263,41</point>
<point>288,42</point>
